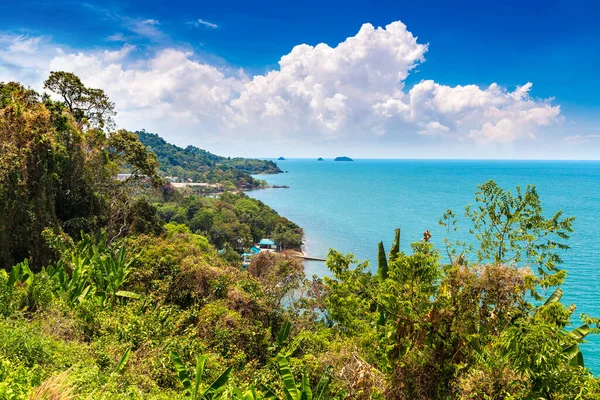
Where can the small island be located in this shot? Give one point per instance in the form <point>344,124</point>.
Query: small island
<point>281,159</point>
<point>343,159</point>
<point>320,159</point>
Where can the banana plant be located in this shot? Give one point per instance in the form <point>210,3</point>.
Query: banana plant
<point>74,288</point>
<point>281,339</point>
<point>212,392</point>
<point>382,263</point>
<point>291,389</point>
<point>109,273</point>
<point>395,250</point>
<point>571,352</point>
<point>20,273</point>
<point>95,272</point>
<point>301,390</point>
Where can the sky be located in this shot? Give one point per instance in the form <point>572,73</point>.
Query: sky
<point>378,79</point>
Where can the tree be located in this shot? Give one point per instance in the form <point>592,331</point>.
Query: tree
<point>85,104</point>
<point>55,175</point>
<point>468,330</point>
<point>512,229</point>
<point>126,150</point>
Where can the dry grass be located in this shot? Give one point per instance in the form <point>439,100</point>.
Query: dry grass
<point>54,388</point>
<point>361,380</point>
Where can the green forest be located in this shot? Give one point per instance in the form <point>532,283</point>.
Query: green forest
<point>131,289</point>
<point>201,166</point>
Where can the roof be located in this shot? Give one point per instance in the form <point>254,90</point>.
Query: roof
<point>267,242</point>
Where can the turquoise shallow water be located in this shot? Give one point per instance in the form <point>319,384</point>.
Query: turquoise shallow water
<point>351,206</point>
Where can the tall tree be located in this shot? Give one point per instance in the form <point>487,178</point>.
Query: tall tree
<point>56,176</point>
<point>85,104</point>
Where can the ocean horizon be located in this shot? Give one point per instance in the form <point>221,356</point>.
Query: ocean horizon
<point>351,206</point>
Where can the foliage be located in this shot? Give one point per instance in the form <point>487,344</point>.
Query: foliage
<point>202,166</point>
<point>106,284</point>
<point>435,329</point>
<point>511,228</point>
<point>92,269</point>
<point>57,176</point>
<point>212,391</point>
<point>85,104</point>
<point>234,220</point>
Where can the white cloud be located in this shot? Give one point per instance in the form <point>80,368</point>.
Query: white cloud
<point>117,37</point>
<point>116,55</point>
<point>207,24</point>
<point>144,27</point>
<point>353,91</point>
<point>484,115</point>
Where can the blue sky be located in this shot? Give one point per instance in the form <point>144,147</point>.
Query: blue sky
<point>202,73</point>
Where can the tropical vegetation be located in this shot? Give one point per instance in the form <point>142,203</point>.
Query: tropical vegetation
<point>133,290</point>
<point>197,165</point>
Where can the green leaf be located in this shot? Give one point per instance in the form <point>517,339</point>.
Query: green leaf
<point>129,295</point>
<point>306,393</point>
<point>182,373</point>
<point>83,294</point>
<point>395,250</point>
<point>267,393</point>
<point>573,354</point>
<point>340,396</point>
<point>218,385</point>
<point>120,368</point>
<point>581,332</point>
<point>323,385</point>
<point>284,333</point>
<point>554,297</point>
<point>199,370</point>
<point>290,389</point>
<point>237,393</point>
<point>382,263</point>
<point>578,360</point>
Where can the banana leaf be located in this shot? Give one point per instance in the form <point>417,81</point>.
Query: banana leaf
<point>199,370</point>
<point>181,370</point>
<point>120,367</point>
<point>290,389</point>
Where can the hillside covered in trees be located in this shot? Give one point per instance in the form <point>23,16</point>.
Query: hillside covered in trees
<point>202,166</point>
<point>117,289</point>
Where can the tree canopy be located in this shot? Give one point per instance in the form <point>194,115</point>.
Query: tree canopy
<point>130,289</point>
<point>56,176</point>
<point>88,105</point>
<point>202,166</point>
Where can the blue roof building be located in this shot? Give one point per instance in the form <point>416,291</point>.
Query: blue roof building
<point>267,244</point>
<point>254,250</point>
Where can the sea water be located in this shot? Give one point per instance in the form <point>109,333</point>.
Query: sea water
<point>351,206</point>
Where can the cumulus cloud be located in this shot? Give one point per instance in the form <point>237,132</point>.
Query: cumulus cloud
<point>493,114</point>
<point>354,90</point>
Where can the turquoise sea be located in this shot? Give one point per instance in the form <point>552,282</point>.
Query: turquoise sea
<point>351,206</point>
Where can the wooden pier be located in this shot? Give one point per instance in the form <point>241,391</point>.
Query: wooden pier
<point>307,257</point>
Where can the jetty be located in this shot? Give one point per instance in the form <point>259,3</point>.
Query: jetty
<point>306,257</point>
